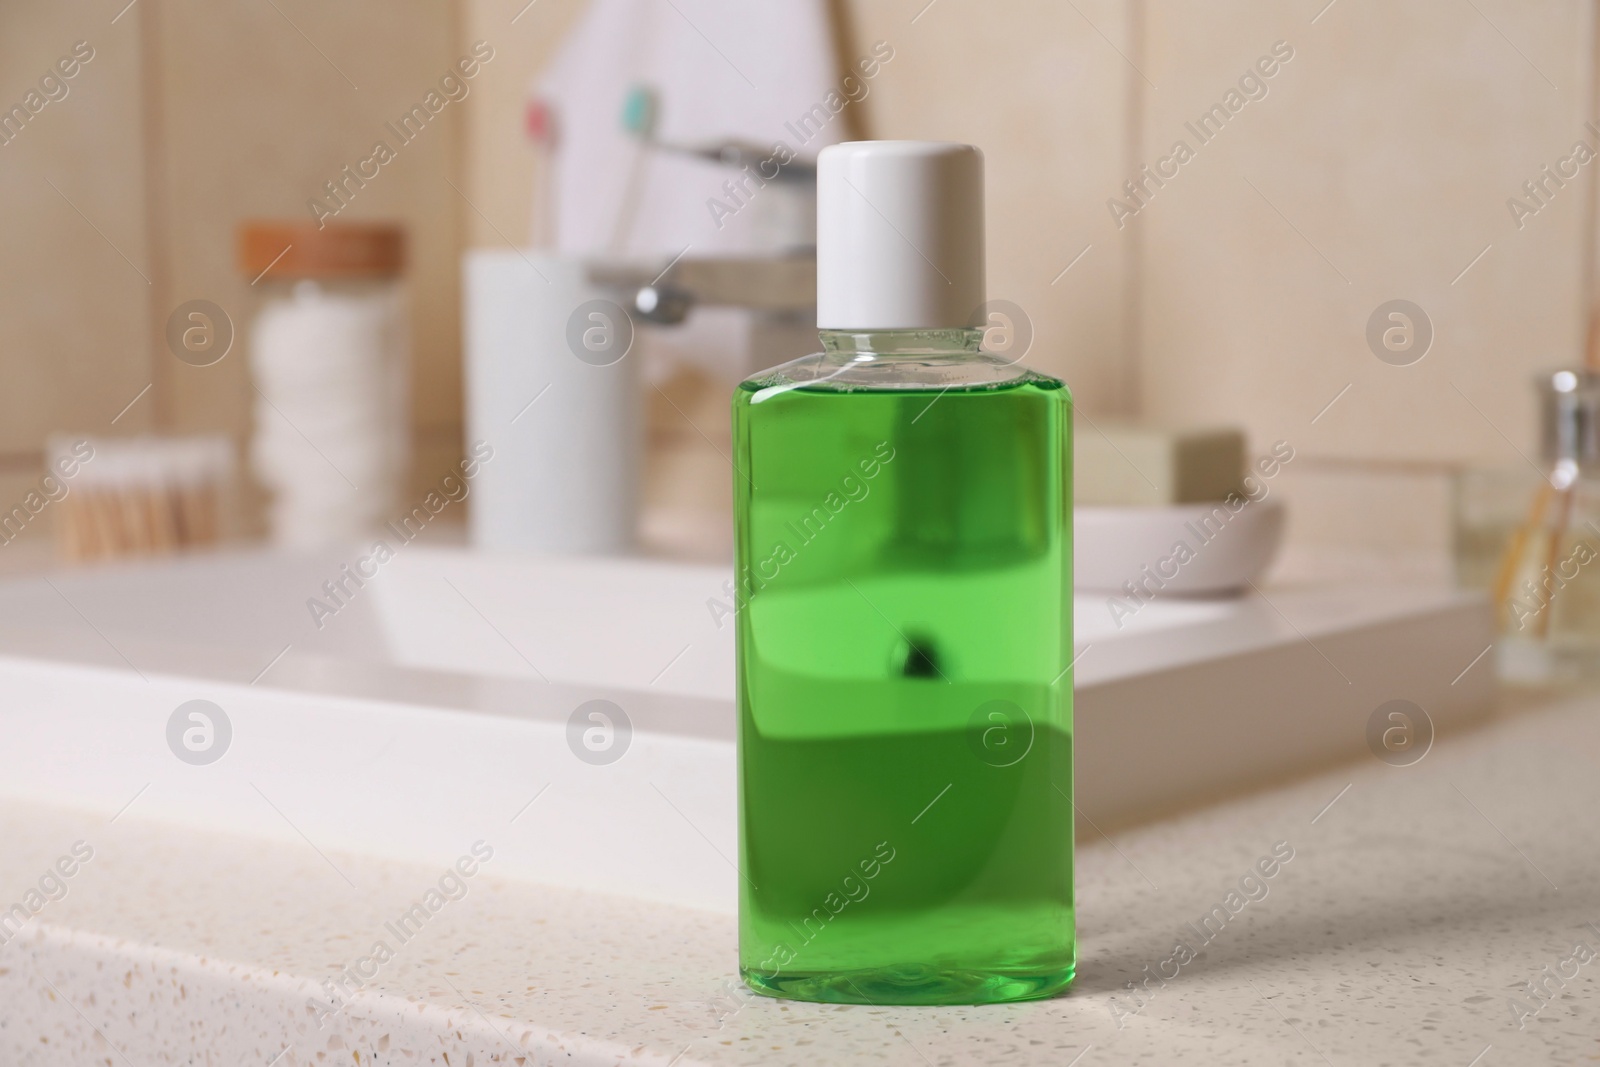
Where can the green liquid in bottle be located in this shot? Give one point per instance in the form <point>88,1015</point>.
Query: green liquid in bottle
<point>905,711</point>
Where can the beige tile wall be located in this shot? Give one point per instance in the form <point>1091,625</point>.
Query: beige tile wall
<point>1377,167</point>
<point>74,294</point>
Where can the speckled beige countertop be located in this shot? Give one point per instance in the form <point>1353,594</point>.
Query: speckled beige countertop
<point>1419,904</point>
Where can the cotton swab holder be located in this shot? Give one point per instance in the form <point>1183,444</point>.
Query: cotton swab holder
<point>140,496</point>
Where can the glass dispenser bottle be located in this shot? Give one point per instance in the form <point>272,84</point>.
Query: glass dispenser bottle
<point>1532,538</point>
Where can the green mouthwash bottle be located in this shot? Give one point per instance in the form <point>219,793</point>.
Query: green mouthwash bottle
<point>904,568</point>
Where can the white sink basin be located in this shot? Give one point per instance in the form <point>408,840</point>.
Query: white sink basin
<point>434,703</point>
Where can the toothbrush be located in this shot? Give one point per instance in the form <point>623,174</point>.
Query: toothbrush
<point>540,126</point>
<point>639,110</point>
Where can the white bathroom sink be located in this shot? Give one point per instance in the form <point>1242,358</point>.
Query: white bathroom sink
<point>433,702</point>
<point>608,622</point>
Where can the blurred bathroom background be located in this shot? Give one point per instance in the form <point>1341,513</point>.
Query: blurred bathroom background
<point>1341,156</point>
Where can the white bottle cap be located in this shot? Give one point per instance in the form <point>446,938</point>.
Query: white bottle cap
<point>899,236</point>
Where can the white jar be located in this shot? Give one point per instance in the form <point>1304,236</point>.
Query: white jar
<point>328,361</point>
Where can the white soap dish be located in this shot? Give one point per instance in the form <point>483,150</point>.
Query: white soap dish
<point>1193,549</point>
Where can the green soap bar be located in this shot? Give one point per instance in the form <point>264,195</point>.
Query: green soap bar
<point>1120,464</point>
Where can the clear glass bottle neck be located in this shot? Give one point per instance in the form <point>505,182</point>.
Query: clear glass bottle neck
<point>897,359</point>
<point>864,345</point>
